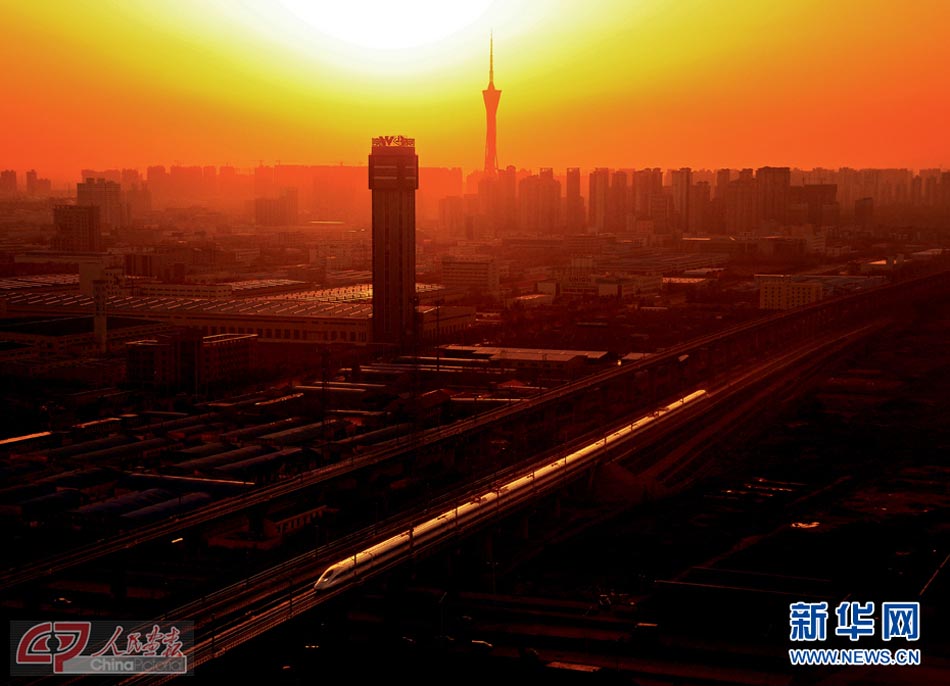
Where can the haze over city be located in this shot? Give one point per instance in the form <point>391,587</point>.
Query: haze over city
<point>603,83</point>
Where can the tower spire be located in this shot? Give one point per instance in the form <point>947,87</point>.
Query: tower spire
<point>491,57</point>
<point>491,95</point>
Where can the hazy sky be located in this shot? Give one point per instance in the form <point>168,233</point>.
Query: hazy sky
<point>109,83</point>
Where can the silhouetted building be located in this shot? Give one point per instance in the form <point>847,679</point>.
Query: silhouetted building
<point>138,199</point>
<point>37,187</point>
<point>393,179</point>
<point>8,186</point>
<point>77,229</point>
<point>539,202</point>
<point>491,95</point>
<point>682,180</point>
<point>507,204</point>
<point>475,273</point>
<point>191,361</point>
<point>574,203</point>
<point>785,293</point>
<point>599,189</point>
<point>280,211</point>
<point>647,183</point>
<point>661,212</point>
<point>452,216</point>
<point>773,185</point>
<point>815,204</point>
<point>617,203</point>
<point>864,212</point>
<point>698,207</point>
<point>107,196</point>
<point>723,177</point>
<point>742,204</point>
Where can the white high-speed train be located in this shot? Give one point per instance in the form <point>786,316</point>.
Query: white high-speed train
<point>380,555</point>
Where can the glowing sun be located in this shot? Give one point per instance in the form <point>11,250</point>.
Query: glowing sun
<point>387,24</point>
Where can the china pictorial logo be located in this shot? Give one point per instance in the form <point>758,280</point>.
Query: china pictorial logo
<point>808,622</point>
<point>73,647</point>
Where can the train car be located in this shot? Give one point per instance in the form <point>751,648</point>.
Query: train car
<point>98,428</point>
<point>389,551</point>
<point>28,443</point>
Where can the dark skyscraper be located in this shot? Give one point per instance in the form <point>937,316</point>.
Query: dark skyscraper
<point>742,204</point>
<point>77,228</point>
<point>682,180</point>
<point>598,182</point>
<point>773,185</point>
<point>491,95</point>
<point>574,207</point>
<point>107,196</point>
<point>8,181</point>
<point>393,179</point>
<point>617,203</point>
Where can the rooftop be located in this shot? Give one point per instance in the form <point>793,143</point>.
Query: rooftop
<point>164,305</point>
<point>541,354</point>
<point>65,326</point>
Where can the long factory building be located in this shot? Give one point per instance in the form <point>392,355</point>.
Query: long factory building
<point>272,319</point>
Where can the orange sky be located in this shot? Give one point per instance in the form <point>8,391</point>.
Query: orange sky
<point>595,83</point>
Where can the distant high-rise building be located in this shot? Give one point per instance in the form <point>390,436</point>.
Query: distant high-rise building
<point>773,185</point>
<point>930,179</point>
<point>647,184</point>
<point>529,203</point>
<point>138,201</point>
<point>682,181</point>
<point>723,177</point>
<point>549,207</point>
<point>393,179</point>
<point>107,196</point>
<point>452,216</point>
<point>31,183</point>
<point>864,212</point>
<point>37,187</point>
<point>742,204</point>
<point>77,228</point>
<point>617,202</point>
<point>107,174</point>
<point>661,211</point>
<point>539,200</point>
<point>159,184</point>
<point>497,202</point>
<point>599,189</point>
<point>574,202</point>
<point>916,191</point>
<point>8,183</point>
<point>491,95</point>
<point>819,202</point>
<point>475,273</point>
<point>280,211</point>
<point>698,207</point>
<point>130,177</point>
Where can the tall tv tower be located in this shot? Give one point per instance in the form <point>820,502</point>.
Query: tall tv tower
<point>491,95</point>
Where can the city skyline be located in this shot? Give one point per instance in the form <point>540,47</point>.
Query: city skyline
<point>667,90</point>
